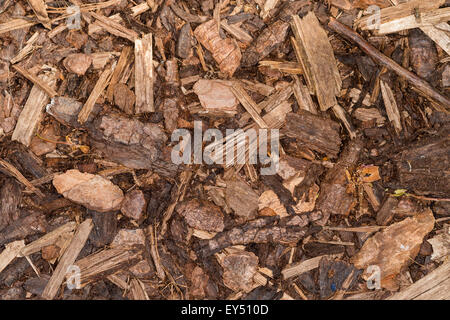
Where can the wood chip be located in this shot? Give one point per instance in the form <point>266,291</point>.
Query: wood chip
<point>100,86</point>
<point>317,58</point>
<point>32,112</point>
<point>299,268</point>
<point>48,239</point>
<point>68,259</point>
<point>144,74</point>
<point>10,253</point>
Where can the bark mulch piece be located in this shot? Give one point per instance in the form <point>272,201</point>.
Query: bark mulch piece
<point>113,186</point>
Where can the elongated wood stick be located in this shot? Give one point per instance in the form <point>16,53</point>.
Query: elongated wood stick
<point>441,103</point>
<point>37,81</point>
<point>70,255</point>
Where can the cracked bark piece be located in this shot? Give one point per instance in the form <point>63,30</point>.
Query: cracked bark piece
<point>92,191</point>
<point>225,51</point>
<point>239,269</point>
<point>314,132</point>
<point>240,197</point>
<point>395,247</point>
<point>202,215</point>
<point>116,128</point>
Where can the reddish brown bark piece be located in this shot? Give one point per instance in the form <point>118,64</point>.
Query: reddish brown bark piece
<point>202,215</point>
<point>239,269</point>
<point>124,98</point>
<point>396,246</point>
<point>93,192</point>
<point>133,205</point>
<point>78,63</point>
<point>334,198</point>
<point>199,281</point>
<point>216,95</point>
<point>225,51</point>
<point>313,132</point>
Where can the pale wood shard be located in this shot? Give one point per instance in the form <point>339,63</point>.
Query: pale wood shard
<point>51,92</point>
<point>10,253</point>
<point>302,96</point>
<point>48,239</point>
<point>391,106</point>
<point>137,290</point>
<point>40,10</point>
<point>258,87</point>
<point>342,115</point>
<point>403,16</point>
<point>70,255</point>
<point>249,105</point>
<point>25,51</point>
<point>439,36</point>
<point>16,24</point>
<point>115,28</point>
<point>411,21</point>
<point>125,60</point>
<point>100,59</point>
<point>100,86</point>
<point>144,74</point>
<point>268,6</point>
<point>33,111</point>
<point>286,67</point>
<point>316,56</point>
<point>105,263</point>
<point>434,286</point>
<point>299,268</point>
<point>239,33</point>
<point>441,244</point>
